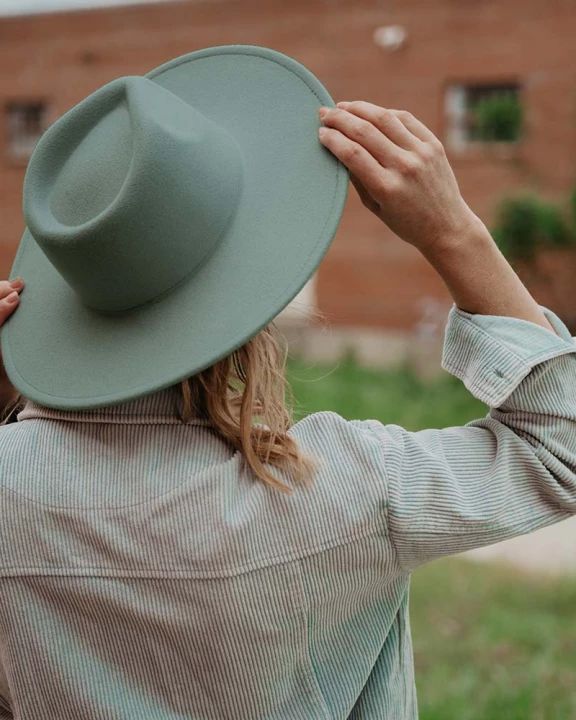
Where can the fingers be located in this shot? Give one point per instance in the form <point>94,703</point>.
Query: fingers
<point>8,286</point>
<point>385,121</point>
<point>9,298</point>
<point>367,134</point>
<point>372,112</point>
<point>356,158</point>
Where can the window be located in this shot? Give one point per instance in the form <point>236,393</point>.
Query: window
<point>26,121</point>
<point>482,113</point>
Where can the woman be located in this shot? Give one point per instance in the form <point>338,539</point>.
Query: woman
<point>169,557</point>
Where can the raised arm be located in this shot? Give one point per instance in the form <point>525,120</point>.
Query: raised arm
<point>514,470</point>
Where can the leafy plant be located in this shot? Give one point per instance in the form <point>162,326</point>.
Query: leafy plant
<point>498,117</point>
<point>526,223</point>
<point>572,204</point>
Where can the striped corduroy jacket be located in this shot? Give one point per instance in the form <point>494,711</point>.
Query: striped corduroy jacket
<point>146,575</point>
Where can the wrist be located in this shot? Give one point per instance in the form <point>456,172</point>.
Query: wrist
<point>471,234</point>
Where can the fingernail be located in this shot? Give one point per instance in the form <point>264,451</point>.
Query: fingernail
<point>322,131</point>
<point>12,297</point>
<point>322,112</point>
<point>342,104</point>
<point>17,281</point>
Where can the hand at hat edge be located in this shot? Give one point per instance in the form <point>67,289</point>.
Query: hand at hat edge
<point>8,300</point>
<point>400,171</point>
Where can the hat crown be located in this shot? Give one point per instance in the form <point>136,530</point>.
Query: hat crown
<point>130,191</point>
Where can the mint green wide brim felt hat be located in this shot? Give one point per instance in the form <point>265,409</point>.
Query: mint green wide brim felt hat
<point>170,217</point>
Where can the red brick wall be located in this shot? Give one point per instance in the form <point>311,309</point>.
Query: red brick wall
<point>369,277</point>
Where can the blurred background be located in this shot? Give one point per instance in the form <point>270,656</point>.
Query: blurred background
<point>495,80</point>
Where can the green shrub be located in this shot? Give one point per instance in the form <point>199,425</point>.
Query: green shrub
<point>498,117</point>
<point>572,203</point>
<point>525,223</point>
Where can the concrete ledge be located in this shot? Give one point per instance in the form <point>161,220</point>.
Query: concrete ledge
<point>551,550</point>
<point>371,347</point>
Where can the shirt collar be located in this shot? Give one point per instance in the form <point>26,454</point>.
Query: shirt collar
<point>160,407</point>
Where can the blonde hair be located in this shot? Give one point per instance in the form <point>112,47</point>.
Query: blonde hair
<point>246,398</point>
<point>246,386</point>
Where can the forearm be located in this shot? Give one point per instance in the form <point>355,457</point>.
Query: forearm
<point>480,279</point>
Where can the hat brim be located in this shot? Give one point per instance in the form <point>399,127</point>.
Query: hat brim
<point>64,355</point>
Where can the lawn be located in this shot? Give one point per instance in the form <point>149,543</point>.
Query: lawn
<point>489,643</point>
<point>493,644</point>
<point>394,396</point>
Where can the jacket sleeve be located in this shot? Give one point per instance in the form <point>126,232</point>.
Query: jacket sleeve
<point>4,706</point>
<point>502,475</point>
<point>5,712</point>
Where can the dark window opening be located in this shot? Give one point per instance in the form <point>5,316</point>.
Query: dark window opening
<point>26,121</point>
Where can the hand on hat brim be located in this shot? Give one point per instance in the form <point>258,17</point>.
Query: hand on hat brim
<point>9,298</point>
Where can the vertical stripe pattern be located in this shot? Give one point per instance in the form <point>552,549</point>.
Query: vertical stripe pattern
<point>145,573</point>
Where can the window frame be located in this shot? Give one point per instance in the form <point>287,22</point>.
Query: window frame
<point>462,145</point>
<point>11,156</point>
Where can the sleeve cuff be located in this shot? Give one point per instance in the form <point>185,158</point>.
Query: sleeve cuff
<point>492,354</point>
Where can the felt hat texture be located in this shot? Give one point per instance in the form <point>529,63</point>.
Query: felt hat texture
<point>169,218</point>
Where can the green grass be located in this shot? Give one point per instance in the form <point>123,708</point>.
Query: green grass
<point>489,643</point>
<point>493,644</point>
<point>394,396</point>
